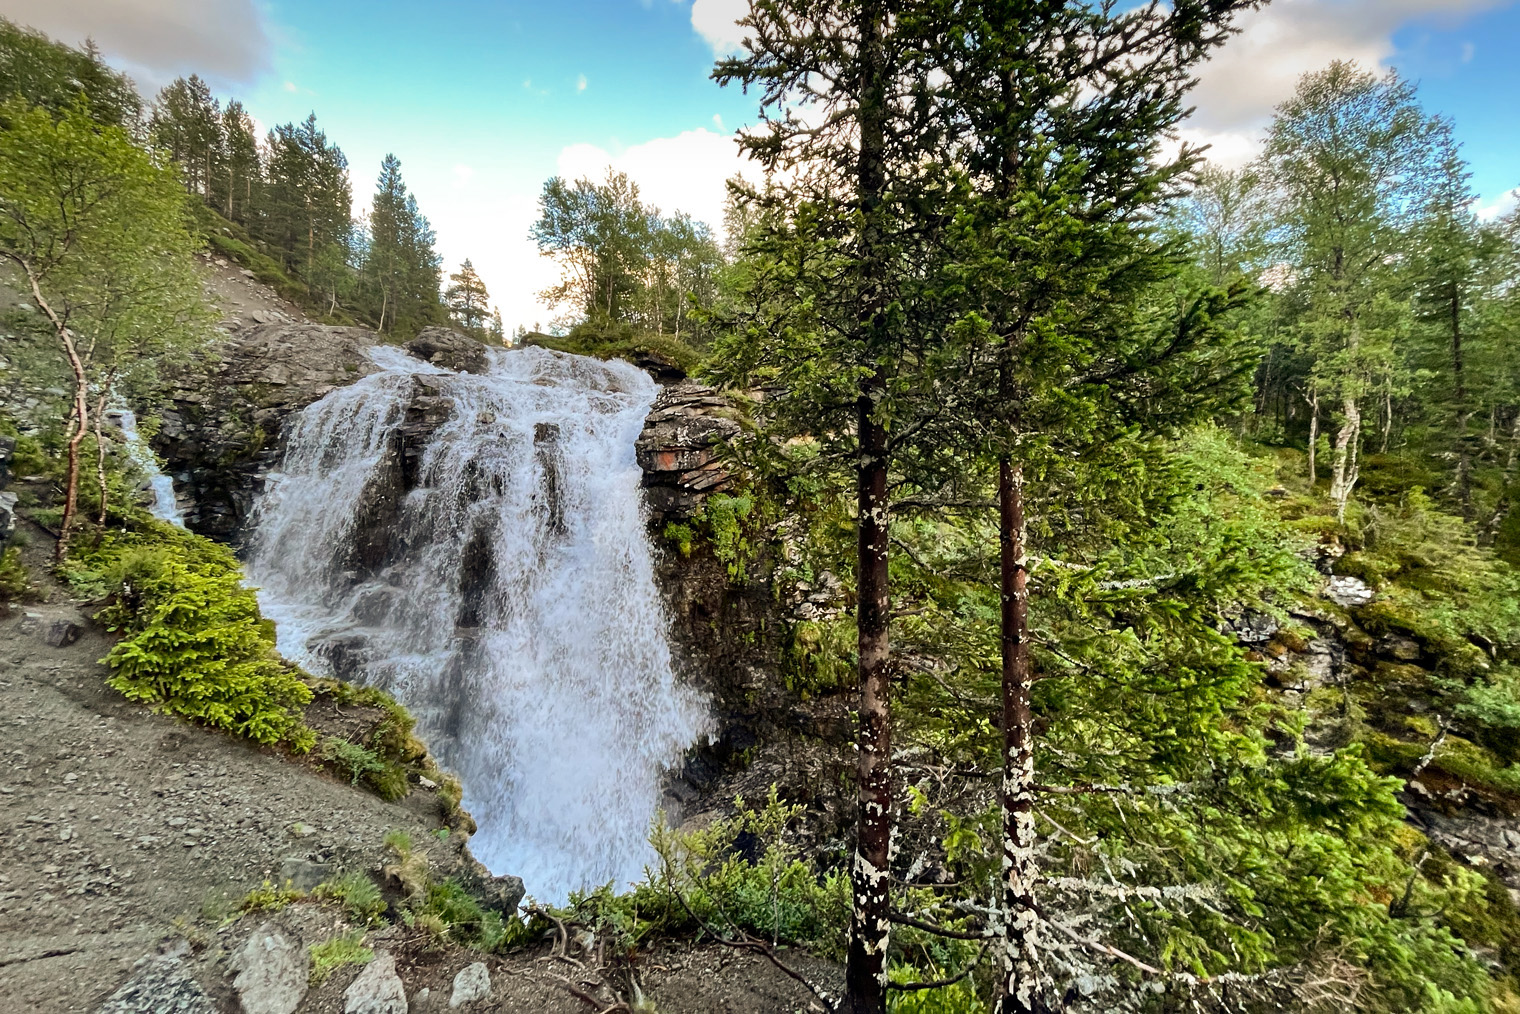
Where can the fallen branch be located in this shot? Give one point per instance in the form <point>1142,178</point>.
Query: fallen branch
<point>939,931</point>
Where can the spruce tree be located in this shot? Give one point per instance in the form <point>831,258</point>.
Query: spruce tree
<point>401,267</point>
<point>467,300</point>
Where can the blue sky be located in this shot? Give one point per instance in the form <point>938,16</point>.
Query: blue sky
<point>482,101</point>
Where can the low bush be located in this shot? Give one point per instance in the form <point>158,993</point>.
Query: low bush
<point>194,643</point>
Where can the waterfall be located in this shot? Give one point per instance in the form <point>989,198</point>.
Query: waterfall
<point>500,584</point>
<point>165,506</point>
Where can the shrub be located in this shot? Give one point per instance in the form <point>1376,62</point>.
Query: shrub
<point>194,642</point>
<point>349,759</point>
<point>15,585</point>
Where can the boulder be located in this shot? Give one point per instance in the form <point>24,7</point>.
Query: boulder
<point>679,449</point>
<point>1348,592</point>
<point>377,990</point>
<point>271,972</point>
<point>472,983</point>
<point>220,433</point>
<point>448,348</point>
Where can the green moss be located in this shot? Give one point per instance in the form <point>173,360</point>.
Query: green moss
<point>682,536</point>
<point>269,898</point>
<point>620,342</point>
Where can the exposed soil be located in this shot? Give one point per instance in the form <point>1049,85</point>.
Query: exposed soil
<point>127,835</point>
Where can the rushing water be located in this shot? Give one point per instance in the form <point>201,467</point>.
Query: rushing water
<point>164,506</point>
<point>508,599</point>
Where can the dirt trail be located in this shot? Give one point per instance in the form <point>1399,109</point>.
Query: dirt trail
<point>124,834</point>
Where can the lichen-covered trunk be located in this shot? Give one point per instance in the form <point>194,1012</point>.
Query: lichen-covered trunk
<point>870,925</point>
<point>1347,446</point>
<point>81,418</point>
<point>866,965</point>
<point>1020,962</point>
<point>1313,436</point>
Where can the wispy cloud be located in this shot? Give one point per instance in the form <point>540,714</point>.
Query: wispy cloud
<point>581,83</point>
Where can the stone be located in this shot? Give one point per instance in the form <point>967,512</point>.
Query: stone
<point>472,983</point>
<point>1255,628</point>
<point>1404,649</point>
<point>377,990</point>
<point>303,875</point>
<point>161,985</point>
<point>1348,592</point>
<point>7,517</point>
<point>61,633</point>
<point>453,350</point>
<point>271,972</point>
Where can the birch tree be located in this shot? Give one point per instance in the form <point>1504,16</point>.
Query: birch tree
<point>96,232</point>
<point>1351,159</point>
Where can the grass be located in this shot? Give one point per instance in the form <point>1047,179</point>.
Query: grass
<point>331,955</point>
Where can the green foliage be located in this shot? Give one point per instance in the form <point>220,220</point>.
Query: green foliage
<point>602,341</point>
<point>193,641</point>
<point>15,584</point>
<point>681,535</point>
<point>361,899</point>
<point>350,759</point>
<point>821,655</point>
<point>53,75</point>
<point>724,517</point>
<point>332,954</point>
<point>269,898</point>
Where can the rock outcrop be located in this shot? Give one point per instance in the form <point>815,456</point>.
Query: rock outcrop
<point>679,449</point>
<point>221,429</point>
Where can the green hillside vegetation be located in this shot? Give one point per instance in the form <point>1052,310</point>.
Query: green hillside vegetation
<point>1172,508</point>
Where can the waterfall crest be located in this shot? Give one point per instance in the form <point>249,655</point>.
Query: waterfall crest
<point>500,584</point>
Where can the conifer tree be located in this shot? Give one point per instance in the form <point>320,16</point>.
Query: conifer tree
<point>307,201</point>
<point>234,187</point>
<point>52,75</point>
<point>187,122</point>
<point>829,317</point>
<point>401,267</point>
<point>467,300</point>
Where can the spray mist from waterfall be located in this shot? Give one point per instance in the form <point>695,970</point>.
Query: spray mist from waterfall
<point>508,598</point>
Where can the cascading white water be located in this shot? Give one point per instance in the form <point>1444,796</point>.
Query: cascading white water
<point>508,600</point>
<point>165,506</point>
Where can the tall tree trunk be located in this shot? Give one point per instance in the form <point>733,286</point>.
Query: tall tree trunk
<point>100,452</point>
<point>1313,435</point>
<point>1463,411</point>
<point>870,923</point>
<point>1020,870</point>
<point>866,970</point>
<point>1347,444</point>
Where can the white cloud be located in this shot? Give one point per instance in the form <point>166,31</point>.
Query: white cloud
<point>580,83</point>
<point>717,22</point>
<point>1498,208</point>
<point>226,41</point>
<point>1259,68</point>
<point>290,86</point>
<point>682,173</point>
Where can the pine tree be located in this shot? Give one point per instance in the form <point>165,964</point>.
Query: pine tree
<point>53,75</point>
<point>187,122</point>
<point>234,188</point>
<point>307,202</point>
<point>467,300</point>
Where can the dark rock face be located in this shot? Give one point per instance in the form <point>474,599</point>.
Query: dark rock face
<point>7,500</point>
<point>678,449</point>
<point>221,430</point>
<point>448,348</point>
